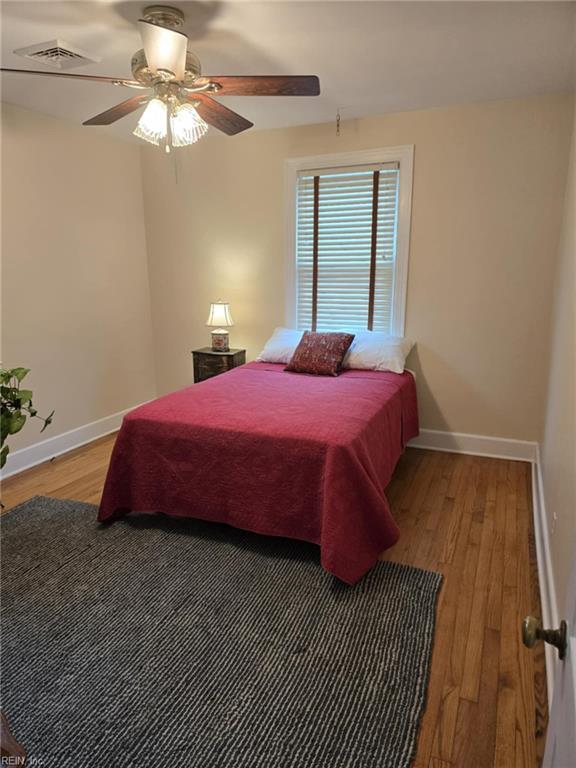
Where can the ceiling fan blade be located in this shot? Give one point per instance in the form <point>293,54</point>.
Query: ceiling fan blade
<point>120,110</point>
<point>219,116</point>
<point>97,78</point>
<point>164,48</point>
<point>266,85</point>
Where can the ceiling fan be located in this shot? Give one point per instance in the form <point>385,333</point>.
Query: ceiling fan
<point>179,107</point>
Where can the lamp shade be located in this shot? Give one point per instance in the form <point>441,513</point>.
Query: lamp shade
<point>220,315</point>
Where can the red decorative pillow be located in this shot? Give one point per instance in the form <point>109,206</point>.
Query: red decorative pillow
<point>320,353</point>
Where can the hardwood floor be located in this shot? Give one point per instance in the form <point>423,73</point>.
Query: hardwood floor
<point>471,519</point>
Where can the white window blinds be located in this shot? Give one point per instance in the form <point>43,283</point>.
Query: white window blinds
<point>346,232</point>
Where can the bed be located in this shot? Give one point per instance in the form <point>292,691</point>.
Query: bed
<point>273,452</point>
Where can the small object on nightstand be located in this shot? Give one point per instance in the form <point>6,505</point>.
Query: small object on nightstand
<point>208,363</point>
<point>221,317</point>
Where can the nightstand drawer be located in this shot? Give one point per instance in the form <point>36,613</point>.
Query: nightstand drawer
<point>211,366</point>
<point>209,363</point>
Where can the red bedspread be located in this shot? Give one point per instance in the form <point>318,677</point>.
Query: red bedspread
<point>278,453</point>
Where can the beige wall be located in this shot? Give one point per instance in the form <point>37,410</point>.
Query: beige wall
<point>559,442</point>
<point>75,302</point>
<point>488,185</point>
<point>487,202</point>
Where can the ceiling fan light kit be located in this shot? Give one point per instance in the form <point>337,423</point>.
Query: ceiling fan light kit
<point>186,125</point>
<point>180,109</point>
<point>152,125</point>
<point>169,123</point>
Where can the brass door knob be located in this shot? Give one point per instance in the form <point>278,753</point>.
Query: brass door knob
<point>532,632</point>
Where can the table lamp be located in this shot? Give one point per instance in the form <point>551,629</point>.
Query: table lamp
<point>220,318</point>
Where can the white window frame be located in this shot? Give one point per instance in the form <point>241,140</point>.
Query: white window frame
<point>404,155</point>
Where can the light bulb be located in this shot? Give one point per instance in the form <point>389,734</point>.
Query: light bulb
<point>152,125</point>
<point>186,125</point>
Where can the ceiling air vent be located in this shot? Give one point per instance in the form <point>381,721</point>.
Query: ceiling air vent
<point>57,54</point>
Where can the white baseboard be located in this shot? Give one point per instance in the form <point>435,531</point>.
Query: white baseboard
<point>477,445</point>
<point>25,458</point>
<point>548,599</point>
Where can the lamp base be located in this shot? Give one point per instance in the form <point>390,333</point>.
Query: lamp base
<point>220,340</point>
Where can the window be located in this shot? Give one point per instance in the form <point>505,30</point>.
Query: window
<point>350,243</point>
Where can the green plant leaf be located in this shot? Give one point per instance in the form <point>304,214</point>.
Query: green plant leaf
<point>5,418</point>
<point>47,422</point>
<point>8,393</point>
<point>15,405</point>
<point>25,395</point>
<point>16,422</point>
<point>20,373</point>
<point>3,455</point>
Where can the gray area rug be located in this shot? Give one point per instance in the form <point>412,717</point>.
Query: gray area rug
<point>159,642</point>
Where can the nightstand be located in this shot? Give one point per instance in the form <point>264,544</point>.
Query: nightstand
<point>208,363</point>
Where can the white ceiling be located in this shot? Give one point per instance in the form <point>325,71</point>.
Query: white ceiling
<point>371,57</point>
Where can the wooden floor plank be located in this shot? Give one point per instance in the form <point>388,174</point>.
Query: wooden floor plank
<point>446,614</point>
<point>494,602</point>
<point>475,734</point>
<point>509,578</point>
<point>505,747</point>
<point>459,496</point>
<point>485,499</point>
<point>441,674</point>
<point>446,724</point>
<point>435,762</point>
<point>469,518</point>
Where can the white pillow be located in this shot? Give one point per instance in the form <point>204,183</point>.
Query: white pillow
<point>280,346</point>
<point>377,351</point>
<point>370,350</point>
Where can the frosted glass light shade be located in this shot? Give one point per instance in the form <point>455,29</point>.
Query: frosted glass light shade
<point>152,125</point>
<point>187,126</point>
<point>220,315</point>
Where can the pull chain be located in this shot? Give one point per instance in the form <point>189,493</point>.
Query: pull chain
<point>175,164</point>
<point>338,122</point>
